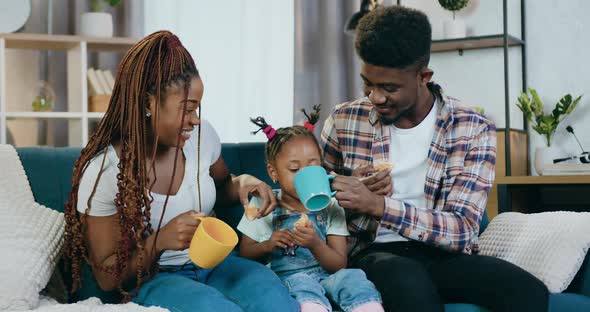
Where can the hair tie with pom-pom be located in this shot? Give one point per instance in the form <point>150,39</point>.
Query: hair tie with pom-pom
<point>270,132</point>
<point>309,126</point>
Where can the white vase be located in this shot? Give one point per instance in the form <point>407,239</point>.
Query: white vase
<point>96,24</point>
<point>454,29</point>
<point>544,156</point>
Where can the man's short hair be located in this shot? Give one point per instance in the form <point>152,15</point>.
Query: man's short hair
<point>394,36</point>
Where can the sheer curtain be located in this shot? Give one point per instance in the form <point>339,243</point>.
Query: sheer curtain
<point>244,52</point>
<point>326,67</point>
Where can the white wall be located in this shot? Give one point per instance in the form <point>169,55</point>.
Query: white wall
<point>557,61</point>
<point>245,54</point>
<point>477,77</point>
<point>226,39</point>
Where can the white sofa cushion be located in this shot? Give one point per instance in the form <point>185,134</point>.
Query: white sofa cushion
<point>549,245</point>
<point>92,305</point>
<point>14,185</point>
<point>31,237</point>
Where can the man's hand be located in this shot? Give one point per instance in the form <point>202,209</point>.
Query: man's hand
<point>354,195</point>
<point>379,183</point>
<point>364,171</point>
<point>306,237</point>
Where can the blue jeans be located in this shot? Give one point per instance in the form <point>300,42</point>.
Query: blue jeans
<point>348,288</point>
<point>236,284</point>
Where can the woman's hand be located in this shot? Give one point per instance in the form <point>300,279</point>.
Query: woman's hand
<point>178,233</point>
<point>249,185</point>
<point>306,237</point>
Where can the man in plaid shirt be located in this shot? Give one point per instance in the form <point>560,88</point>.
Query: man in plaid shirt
<point>414,229</point>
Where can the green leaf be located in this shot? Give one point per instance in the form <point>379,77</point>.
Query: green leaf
<point>546,123</point>
<point>114,3</point>
<point>528,108</point>
<point>538,129</point>
<point>537,104</point>
<point>524,104</point>
<point>533,110</point>
<point>453,5</point>
<point>95,5</point>
<point>562,106</point>
<point>576,101</point>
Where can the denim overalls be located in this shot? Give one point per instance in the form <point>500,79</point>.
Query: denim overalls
<point>306,280</point>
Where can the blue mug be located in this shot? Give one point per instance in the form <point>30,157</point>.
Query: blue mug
<point>312,185</point>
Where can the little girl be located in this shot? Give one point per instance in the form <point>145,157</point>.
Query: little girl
<point>310,258</point>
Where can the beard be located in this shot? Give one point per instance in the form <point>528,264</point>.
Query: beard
<point>392,120</point>
<point>388,121</point>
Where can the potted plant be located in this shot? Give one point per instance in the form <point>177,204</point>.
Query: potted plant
<point>533,109</point>
<point>454,28</point>
<point>97,23</point>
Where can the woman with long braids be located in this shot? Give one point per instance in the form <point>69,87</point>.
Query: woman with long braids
<point>151,168</point>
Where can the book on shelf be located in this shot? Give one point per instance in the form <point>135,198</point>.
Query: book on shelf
<point>109,78</point>
<point>103,81</point>
<point>100,86</point>
<point>100,82</point>
<point>94,86</point>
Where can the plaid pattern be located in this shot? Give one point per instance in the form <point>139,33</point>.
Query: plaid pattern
<point>460,174</point>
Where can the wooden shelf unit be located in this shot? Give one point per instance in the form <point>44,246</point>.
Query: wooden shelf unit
<point>65,42</point>
<point>76,49</point>
<point>470,43</point>
<point>43,115</point>
<point>546,180</point>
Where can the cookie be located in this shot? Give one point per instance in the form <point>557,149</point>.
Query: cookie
<point>303,221</point>
<point>383,166</point>
<point>251,212</point>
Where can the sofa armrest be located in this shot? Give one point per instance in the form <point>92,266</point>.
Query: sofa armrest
<point>581,283</point>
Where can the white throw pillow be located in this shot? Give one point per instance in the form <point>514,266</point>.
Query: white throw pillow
<point>14,185</point>
<point>31,236</point>
<point>549,245</point>
<point>92,305</point>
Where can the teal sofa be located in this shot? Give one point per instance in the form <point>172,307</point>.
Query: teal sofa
<point>49,171</point>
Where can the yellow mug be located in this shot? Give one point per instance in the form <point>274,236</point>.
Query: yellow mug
<point>212,242</point>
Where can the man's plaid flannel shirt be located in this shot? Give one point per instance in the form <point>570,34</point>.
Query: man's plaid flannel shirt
<point>460,174</point>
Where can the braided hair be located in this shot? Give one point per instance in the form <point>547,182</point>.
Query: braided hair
<point>149,68</point>
<point>283,135</point>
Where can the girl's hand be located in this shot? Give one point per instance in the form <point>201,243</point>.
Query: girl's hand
<point>280,239</point>
<point>178,233</point>
<point>306,237</point>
